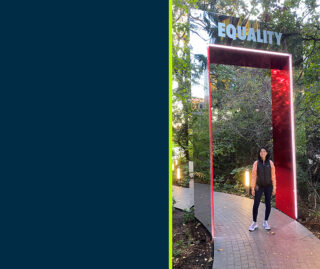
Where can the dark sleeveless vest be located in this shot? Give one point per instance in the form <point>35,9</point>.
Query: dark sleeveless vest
<point>264,174</point>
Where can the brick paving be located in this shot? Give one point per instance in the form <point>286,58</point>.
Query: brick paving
<point>288,245</point>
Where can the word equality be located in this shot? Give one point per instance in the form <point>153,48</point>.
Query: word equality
<point>241,33</point>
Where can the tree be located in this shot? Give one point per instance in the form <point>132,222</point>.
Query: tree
<point>299,22</point>
<point>181,114</point>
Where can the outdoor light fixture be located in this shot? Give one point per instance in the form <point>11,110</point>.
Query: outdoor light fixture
<point>247,178</point>
<point>247,181</point>
<point>178,173</point>
<point>172,166</point>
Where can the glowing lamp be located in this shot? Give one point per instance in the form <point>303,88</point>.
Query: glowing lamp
<point>178,173</point>
<point>247,178</point>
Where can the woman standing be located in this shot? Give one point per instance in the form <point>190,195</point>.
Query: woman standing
<point>263,181</point>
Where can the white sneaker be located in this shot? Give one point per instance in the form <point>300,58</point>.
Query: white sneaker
<point>266,225</point>
<point>253,226</point>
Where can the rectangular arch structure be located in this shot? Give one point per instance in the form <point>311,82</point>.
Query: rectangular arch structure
<point>280,65</point>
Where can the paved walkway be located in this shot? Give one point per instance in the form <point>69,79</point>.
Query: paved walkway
<point>288,245</point>
<point>183,196</point>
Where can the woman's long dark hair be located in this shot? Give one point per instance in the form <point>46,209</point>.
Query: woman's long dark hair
<point>268,155</point>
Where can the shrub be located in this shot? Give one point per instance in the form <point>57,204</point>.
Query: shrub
<point>188,215</point>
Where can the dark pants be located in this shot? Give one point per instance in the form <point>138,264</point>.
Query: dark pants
<point>267,195</point>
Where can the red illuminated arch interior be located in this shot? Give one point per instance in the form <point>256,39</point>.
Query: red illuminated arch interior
<point>282,117</point>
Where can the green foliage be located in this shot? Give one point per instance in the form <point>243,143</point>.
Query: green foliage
<point>178,248</point>
<point>202,177</point>
<point>242,118</point>
<point>184,170</point>
<point>188,215</point>
<point>239,173</point>
<point>201,147</point>
<point>188,235</point>
<point>302,181</point>
<point>184,182</point>
<point>241,100</point>
<point>229,185</point>
<point>181,112</point>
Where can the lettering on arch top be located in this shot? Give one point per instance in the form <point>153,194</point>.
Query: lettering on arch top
<point>220,29</point>
<point>249,34</point>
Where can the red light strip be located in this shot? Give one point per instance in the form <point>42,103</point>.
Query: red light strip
<point>293,142</point>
